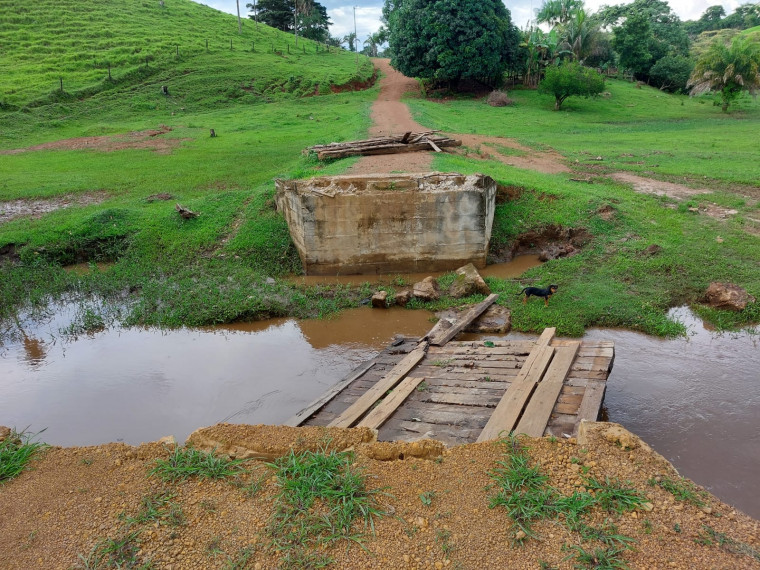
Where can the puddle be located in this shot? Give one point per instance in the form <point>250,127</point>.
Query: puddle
<point>508,270</point>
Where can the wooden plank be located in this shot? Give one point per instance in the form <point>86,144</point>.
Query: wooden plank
<point>537,412</point>
<point>309,410</point>
<point>394,376</point>
<point>471,315</point>
<point>381,413</point>
<point>511,405</point>
<point>591,404</point>
<point>448,414</point>
<point>505,374</point>
<point>432,144</point>
<point>483,400</point>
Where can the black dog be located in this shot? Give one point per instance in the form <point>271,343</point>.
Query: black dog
<point>538,292</point>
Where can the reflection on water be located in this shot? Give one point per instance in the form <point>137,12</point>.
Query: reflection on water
<point>138,385</point>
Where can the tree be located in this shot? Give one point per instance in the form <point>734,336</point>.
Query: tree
<point>671,73</point>
<point>448,40</point>
<point>631,41</point>
<point>580,34</point>
<point>312,19</point>
<point>728,70</point>
<point>557,12</point>
<point>571,79</point>
<point>350,39</point>
<point>665,34</point>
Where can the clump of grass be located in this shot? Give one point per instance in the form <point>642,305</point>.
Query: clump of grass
<point>710,536</point>
<point>612,496</point>
<point>321,497</point>
<point>682,489</point>
<point>16,451</point>
<point>119,552</point>
<point>527,496</point>
<point>187,462</point>
<point>157,507</point>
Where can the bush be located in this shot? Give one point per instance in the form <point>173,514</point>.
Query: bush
<point>571,79</point>
<point>499,99</point>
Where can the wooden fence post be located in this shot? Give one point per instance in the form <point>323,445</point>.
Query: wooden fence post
<point>61,84</point>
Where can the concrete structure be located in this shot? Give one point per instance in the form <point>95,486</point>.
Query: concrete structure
<point>389,223</point>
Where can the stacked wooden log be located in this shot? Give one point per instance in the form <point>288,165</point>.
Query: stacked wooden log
<point>408,142</point>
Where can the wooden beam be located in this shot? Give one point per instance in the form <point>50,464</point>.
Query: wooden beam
<point>510,407</point>
<point>394,376</point>
<point>471,315</point>
<point>591,403</point>
<point>431,143</point>
<point>312,408</point>
<point>392,401</point>
<point>539,409</point>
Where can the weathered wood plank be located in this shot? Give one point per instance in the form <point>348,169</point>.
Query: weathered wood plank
<point>365,402</point>
<point>309,410</point>
<point>449,414</point>
<point>453,383</point>
<point>585,343</point>
<point>410,431</point>
<point>517,346</point>
<point>462,323</point>
<point>381,413</point>
<point>483,400</point>
<point>511,405</point>
<point>539,408</point>
<point>591,404</point>
<point>502,374</point>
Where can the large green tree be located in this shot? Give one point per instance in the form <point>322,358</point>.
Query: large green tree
<point>647,26</point>
<point>449,40</point>
<point>571,79</point>
<point>313,21</point>
<point>728,70</point>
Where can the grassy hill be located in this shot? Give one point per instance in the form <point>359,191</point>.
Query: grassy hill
<point>92,47</point>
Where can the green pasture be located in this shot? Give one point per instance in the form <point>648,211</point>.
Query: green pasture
<point>228,263</point>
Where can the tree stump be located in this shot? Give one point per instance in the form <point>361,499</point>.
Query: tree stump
<point>185,212</point>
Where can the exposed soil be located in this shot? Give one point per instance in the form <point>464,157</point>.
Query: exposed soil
<point>149,139</point>
<point>74,498</point>
<point>37,208</point>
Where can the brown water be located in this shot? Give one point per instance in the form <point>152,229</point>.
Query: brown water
<point>695,400</point>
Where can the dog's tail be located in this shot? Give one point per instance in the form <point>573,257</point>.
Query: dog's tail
<point>521,292</point>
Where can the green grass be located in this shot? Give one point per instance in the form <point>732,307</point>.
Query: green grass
<point>159,508</point>
<point>119,552</point>
<point>266,108</point>
<point>682,489</point>
<point>16,451</point>
<point>322,498</point>
<point>523,490</point>
<point>187,462</point>
<point>49,41</point>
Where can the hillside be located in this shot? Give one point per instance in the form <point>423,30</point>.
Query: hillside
<point>196,50</point>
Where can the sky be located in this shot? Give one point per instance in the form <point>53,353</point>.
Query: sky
<point>368,12</point>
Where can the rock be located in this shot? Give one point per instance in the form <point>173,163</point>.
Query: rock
<point>468,282</point>
<point>554,251</point>
<point>168,440</point>
<point>520,535</point>
<point>5,433</point>
<point>379,300</point>
<point>621,436</point>
<point>403,297</point>
<point>427,290</point>
<point>727,296</point>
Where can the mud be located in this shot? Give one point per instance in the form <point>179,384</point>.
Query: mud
<point>148,139</point>
<point>37,208</point>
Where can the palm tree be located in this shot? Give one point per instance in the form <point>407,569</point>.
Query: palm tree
<point>557,12</point>
<point>728,70</point>
<point>579,35</point>
<point>350,39</point>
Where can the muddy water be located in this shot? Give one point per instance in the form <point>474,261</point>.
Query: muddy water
<point>138,385</point>
<point>695,400</point>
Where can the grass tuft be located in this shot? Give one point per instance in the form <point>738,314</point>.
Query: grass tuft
<point>16,451</point>
<point>187,462</point>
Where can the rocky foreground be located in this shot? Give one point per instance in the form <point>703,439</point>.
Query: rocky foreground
<point>100,507</point>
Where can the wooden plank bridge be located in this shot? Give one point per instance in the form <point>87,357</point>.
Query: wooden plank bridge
<point>466,391</point>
